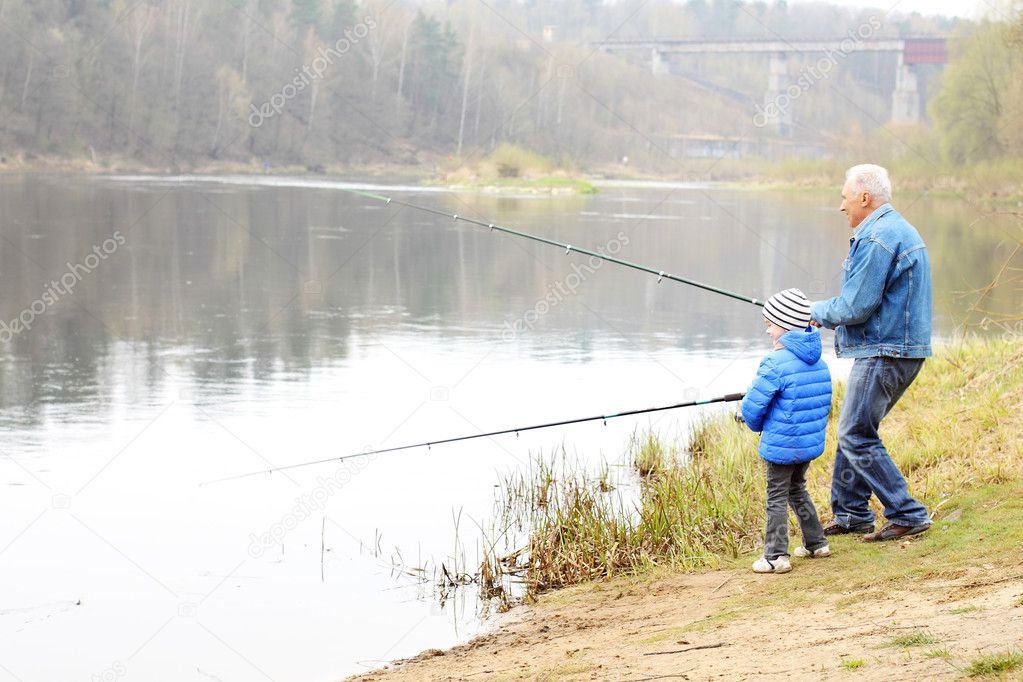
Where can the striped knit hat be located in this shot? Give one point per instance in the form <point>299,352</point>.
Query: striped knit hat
<point>788,309</point>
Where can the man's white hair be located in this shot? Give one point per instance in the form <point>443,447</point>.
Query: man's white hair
<point>868,177</point>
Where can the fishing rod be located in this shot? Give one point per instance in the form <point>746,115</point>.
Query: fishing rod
<point>661,274</point>
<point>731,397</point>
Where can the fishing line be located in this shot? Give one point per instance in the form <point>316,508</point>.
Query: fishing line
<point>731,397</point>
<point>569,248</point>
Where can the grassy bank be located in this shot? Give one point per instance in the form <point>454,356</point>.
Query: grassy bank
<point>957,429</point>
<point>998,181</point>
<point>945,605</point>
<point>513,168</point>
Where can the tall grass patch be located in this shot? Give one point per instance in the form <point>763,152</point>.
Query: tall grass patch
<point>700,502</point>
<point>993,665</point>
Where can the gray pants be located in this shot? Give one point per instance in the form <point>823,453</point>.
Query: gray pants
<point>786,485</point>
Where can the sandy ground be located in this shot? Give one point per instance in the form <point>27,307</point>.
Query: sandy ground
<point>725,625</point>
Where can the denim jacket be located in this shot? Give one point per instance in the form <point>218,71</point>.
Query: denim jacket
<point>885,305</point>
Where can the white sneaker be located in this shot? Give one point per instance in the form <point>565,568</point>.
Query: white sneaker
<point>819,552</point>
<point>779,565</point>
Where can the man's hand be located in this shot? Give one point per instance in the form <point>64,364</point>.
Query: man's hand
<point>815,323</point>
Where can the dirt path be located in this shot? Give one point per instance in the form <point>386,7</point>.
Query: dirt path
<point>735,625</point>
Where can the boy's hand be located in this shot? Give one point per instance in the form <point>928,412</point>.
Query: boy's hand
<point>815,323</point>
<point>739,418</point>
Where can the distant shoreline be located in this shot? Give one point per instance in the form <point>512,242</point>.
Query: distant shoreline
<point>997,182</point>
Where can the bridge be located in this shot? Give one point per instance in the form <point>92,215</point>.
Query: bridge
<point>780,91</point>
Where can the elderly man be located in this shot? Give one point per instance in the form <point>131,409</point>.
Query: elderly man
<point>882,318</point>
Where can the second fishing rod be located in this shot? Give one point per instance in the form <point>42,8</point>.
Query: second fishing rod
<point>569,248</point>
<point>731,397</point>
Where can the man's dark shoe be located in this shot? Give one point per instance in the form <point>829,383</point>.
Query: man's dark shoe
<point>893,531</point>
<point>833,527</point>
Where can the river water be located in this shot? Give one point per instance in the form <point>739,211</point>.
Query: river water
<point>159,333</point>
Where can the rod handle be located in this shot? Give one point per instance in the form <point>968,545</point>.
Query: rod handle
<point>732,396</point>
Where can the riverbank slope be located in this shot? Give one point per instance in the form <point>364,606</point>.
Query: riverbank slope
<point>927,609</point>
<point>944,605</point>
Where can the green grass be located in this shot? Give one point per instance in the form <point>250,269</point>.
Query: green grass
<point>994,181</point>
<point>687,516</point>
<point>870,572</point>
<point>649,456</point>
<point>944,654</point>
<point>702,625</point>
<point>853,663</point>
<point>970,608</point>
<point>513,161</point>
<point>513,167</point>
<point>550,183</point>
<point>995,664</point>
<point>917,638</point>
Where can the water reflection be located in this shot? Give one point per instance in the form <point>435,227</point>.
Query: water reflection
<point>252,281</point>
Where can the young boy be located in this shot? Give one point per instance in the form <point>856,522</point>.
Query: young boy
<point>789,402</point>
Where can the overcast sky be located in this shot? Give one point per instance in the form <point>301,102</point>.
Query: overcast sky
<point>968,9</point>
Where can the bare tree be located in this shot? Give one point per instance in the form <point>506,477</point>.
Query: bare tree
<point>139,26</point>
<point>311,45</point>
<point>246,37</point>
<point>232,96</point>
<point>28,77</point>
<point>401,68</point>
<point>466,73</point>
<point>479,96</point>
<point>186,20</point>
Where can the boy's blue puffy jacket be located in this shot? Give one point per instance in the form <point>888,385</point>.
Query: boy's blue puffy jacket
<point>790,399</point>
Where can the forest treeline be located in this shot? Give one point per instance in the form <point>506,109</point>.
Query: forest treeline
<point>337,83</point>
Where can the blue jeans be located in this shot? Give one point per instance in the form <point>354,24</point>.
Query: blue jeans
<point>862,465</point>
